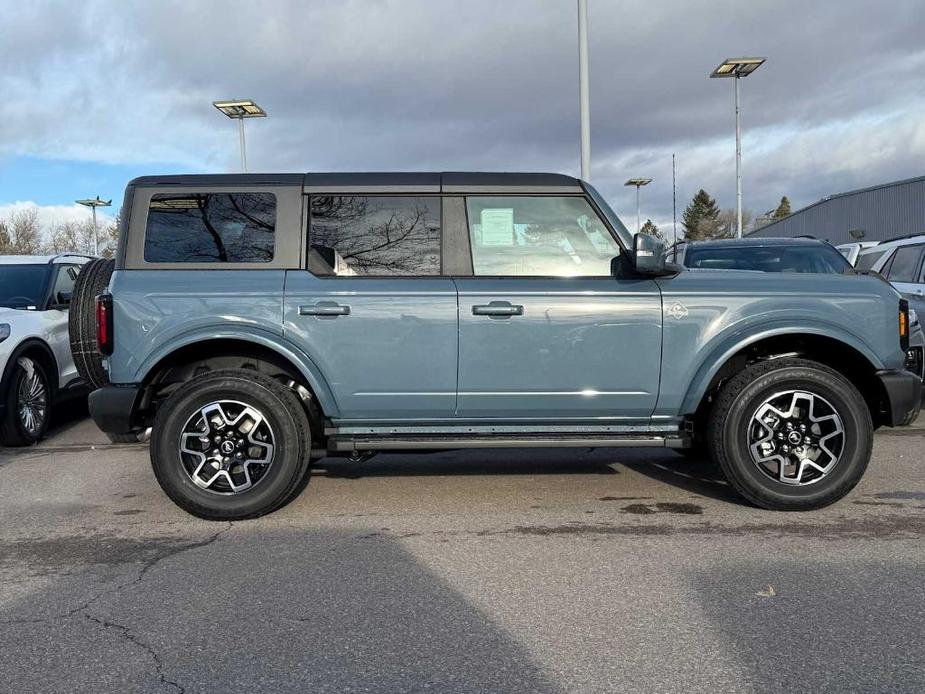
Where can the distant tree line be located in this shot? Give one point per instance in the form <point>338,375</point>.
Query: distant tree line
<point>703,219</point>
<point>22,234</point>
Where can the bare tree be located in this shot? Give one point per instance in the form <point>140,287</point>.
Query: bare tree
<point>23,232</point>
<point>727,223</point>
<point>71,237</point>
<point>109,236</point>
<point>6,243</point>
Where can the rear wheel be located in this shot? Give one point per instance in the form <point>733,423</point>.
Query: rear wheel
<point>92,281</point>
<point>791,434</point>
<point>230,445</point>
<point>28,405</point>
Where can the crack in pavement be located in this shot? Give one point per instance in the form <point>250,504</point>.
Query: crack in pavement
<point>84,609</point>
<point>127,634</point>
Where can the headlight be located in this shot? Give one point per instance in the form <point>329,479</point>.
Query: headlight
<point>913,316</point>
<point>4,331</point>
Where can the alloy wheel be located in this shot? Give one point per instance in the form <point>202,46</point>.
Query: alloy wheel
<point>796,437</point>
<point>227,447</point>
<point>32,399</point>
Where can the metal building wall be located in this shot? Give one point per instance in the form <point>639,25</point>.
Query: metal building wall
<point>882,212</point>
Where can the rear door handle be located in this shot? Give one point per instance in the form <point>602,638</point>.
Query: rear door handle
<point>498,309</point>
<point>325,308</point>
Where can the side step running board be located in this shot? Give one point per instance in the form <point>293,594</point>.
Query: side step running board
<point>385,443</point>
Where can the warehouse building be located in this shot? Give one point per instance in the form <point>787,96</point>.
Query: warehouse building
<point>878,213</point>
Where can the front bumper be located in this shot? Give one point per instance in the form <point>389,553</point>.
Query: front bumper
<point>113,407</point>
<point>903,391</point>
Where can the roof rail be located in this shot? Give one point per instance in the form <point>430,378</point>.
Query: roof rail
<point>69,255</point>
<point>900,238</point>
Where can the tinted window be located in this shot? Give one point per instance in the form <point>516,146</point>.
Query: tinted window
<point>22,286</point>
<point>905,264</point>
<point>804,258</point>
<point>211,228</point>
<point>374,236</point>
<point>539,237</point>
<point>867,260</point>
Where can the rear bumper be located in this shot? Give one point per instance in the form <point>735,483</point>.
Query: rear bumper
<point>112,408</point>
<point>903,391</point>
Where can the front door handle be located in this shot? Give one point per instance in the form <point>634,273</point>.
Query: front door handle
<point>325,308</point>
<point>498,309</point>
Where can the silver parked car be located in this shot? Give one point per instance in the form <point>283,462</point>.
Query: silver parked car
<point>902,262</point>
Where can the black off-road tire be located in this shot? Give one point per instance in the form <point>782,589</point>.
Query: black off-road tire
<point>12,431</point>
<point>92,281</point>
<point>292,444</point>
<point>739,399</point>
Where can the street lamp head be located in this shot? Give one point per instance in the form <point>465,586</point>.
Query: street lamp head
<point>737,67</point>
<point>94,202</point>
<point>638,182</point>
<point>240,108</point>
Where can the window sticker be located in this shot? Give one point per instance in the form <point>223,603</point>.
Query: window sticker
<point>498,226</point>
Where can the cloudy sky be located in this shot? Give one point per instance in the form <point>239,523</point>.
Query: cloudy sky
<point>95,93</point>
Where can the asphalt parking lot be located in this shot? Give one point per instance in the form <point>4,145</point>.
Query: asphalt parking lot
<point>527,571</point>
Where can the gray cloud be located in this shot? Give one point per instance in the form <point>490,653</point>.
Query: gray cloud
<point>452,85</point>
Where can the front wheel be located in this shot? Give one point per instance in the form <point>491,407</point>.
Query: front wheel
<point>28,405</point>
<point>230,445</point>
<point>791,434</point>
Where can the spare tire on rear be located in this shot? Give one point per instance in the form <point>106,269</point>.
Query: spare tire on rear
<point>92,281</point>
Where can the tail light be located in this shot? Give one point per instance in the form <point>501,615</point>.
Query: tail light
<point>904,325</point>
<point>104,324</point>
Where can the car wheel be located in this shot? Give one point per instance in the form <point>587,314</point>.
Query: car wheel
<point>791,434</point>
<point>28,405</point>
<point>92,281</point>
<point>230,445</point>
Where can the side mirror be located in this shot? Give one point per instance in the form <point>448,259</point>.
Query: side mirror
<point>648,255</point>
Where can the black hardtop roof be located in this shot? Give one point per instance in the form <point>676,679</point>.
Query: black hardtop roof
<point>449,181</point>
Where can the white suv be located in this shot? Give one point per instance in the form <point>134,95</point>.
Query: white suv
<point>36,368</point>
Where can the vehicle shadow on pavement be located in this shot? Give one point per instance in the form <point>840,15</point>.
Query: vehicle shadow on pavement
<point>451,463</point>
<point>820,626</point>
<point>697,476</point>
<point>282,610</point>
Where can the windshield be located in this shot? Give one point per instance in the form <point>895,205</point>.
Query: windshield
<point>22,286</point>
<point>626,238</point>
<point>803,258</point>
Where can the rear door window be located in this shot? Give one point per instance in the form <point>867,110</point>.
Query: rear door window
<point>211,228</point>
<point>374,236</point>
<point>904,266</point>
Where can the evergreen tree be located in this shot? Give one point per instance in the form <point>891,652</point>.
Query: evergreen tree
<point>650,228</point>
<point>701,217</point>
<point>783,209</point>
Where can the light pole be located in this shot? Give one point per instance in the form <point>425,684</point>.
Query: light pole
<point>736,68</point>
<point>639,183</point>
<point>240,109</point>
<point>93,203</point>
<point>584,98</point>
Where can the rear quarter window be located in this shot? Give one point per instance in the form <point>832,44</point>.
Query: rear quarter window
<point>211,228</point>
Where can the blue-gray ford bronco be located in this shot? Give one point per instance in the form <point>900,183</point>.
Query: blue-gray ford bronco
<point>258,322</point>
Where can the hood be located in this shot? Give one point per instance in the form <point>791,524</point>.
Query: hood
<point>11,315</point>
